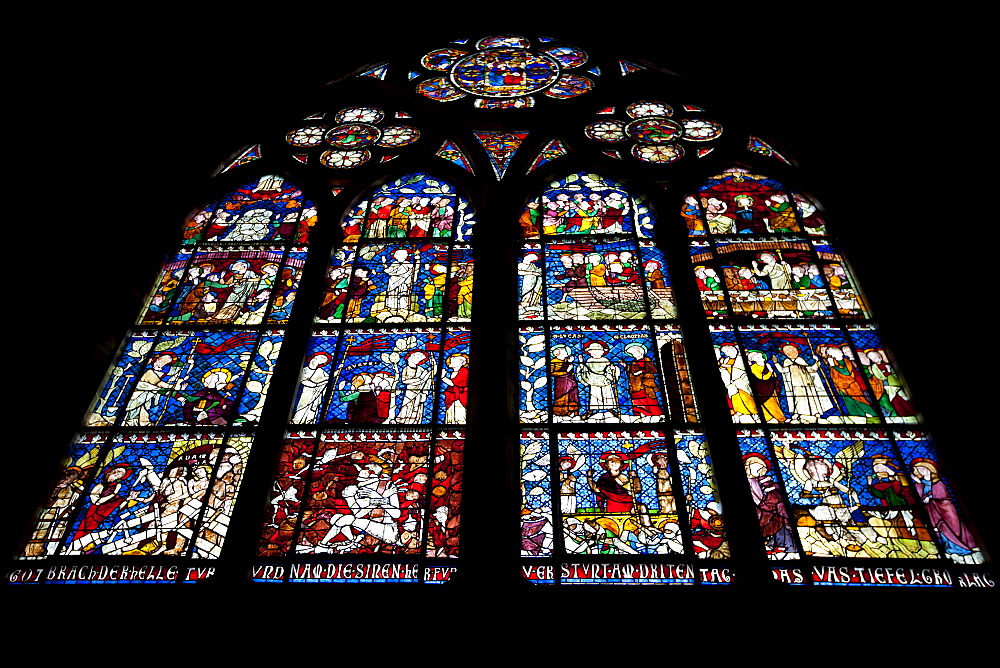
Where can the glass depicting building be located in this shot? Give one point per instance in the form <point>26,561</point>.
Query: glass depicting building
<point>668,373</point>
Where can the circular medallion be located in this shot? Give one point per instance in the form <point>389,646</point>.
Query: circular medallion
<point>648,108</point>
<point>439,89</point>
<point>359,115</point>
<point>661,154</point>
<point>398,135</point>
<point>305,137</point>
<point>570,85</point>
<point>700,129</point>
<point>504,72</point>
<point>503,40</point>
<point>441,59</point>
<point>344,159</point>
<point>567,56</point>
<point>352,135</point>
<point>609,131</point>
<point>654,130</point>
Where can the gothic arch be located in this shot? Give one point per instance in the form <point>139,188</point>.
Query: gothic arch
<point>498,191</point>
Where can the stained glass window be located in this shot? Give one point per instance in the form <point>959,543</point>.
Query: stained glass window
<point>613,465</point>
<point>158,464</point>
<point>372,461</point>
<point>666,320</point>
<point>837,464</point>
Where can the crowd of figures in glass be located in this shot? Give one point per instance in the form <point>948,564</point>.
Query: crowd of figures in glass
<point>395,283</point>
<point>222,286</point>
<point>853,494</point>
<point>385,377</point>
<point>385,493</point>
<point>415,206</point>
<point>620,493</point>
<point>738,202</point>
<point>585,204</point>
<point>266,210</point>
<point>593,281</point>
<point>613,274</point>
<point>604,374</point>
<point>143,494</point>
<point>774,278</point>
<point>807,375</point>
<point>206,378</point>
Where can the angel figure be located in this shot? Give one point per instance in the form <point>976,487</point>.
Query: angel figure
<point>836,526</point>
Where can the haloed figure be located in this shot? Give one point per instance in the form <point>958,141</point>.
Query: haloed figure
<point>417,376</point>
<point>616,488</point>
<point>314,380</point>
<point>566,396</point>
<point>600,375</point>
<point>642,383</point>
<point>147,391</point>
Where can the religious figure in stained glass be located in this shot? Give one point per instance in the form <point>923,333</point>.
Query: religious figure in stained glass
<point>738,202</point>
<point>193,378</point>
<point>385,493</point>
<point>266,210</point>
<point>153,494</point>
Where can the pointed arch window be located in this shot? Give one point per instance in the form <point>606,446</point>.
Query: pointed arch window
<point>158,463</point>
<point>837,462</point>
<point>814,431</point>
<point>372,465</point>
<point>617,481</point>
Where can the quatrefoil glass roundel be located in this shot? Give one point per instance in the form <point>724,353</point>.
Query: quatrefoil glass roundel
<point>359,115</point>
<point>344,159</point>
<point>654,130</point>
<point>352,135</point>
<point>305,137</point>
<point>609,131</point>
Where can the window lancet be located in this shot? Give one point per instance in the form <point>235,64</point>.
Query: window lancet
<point>616,466</point>
<point>860,480</point>
<point>372,465</point>
<point>158,463</point>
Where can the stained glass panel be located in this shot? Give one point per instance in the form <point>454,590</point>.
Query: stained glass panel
<point>188,378</point>
<point>737,202</point>
<point>413,206</point>
<point>230,286</point>
<point>617,494</point>
<point>382,376</point>
<point>851,496</point>
<point>268,209</point>
<point>169,494</point>
<point>801,375</point>
<point>589,204</point>
<point>399,283</point>
<point>604,373</point>
<point>366,493</point>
